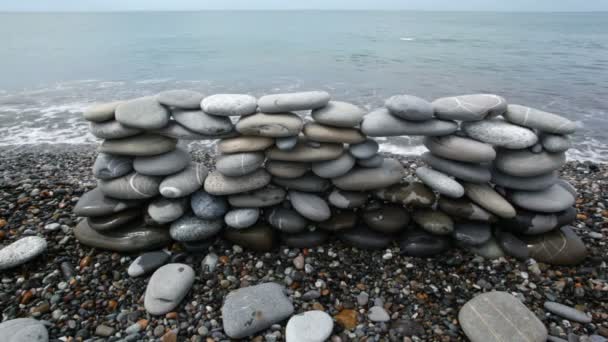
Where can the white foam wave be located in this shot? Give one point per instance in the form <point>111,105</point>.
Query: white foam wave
<point>413,150</point>
<point>407,39</point>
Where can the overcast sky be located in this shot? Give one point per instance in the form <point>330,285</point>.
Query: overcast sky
<point>445,5</point>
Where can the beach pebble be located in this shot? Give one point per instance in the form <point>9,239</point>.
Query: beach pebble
<point>242,218</point>
<point>229,104</point>
<point>523,163</point>
<point>555,143</point>
<point>270,125</point>
<point>108,166</point>
<point>381,123</point>
<point>259,238</point>
<point>347,199</point>
<point>101,112</point>
<point>239,164</point>
<point>363,179</point>
<point>558,247</point>
<point>491,308</point>
<point>334,168</point>
<point>433,221</point>
<point>414,194</point>
<point>192,228</point>
<point>178,131</point>
<point>304,239</point>
<point>464,208</point>
<point>264,197</point>
<point>113,221</point>
<point>286,220</point>
<point>139,145</point>
<point>364,150</point>
<point>112,130</point>
<point>389,219</point>
<point>164,210</point>
<point>339,221</point>
<point>419,243</point>
<point>218,184</point>
<point>306,153</point>
<point>321,133</point>
<point>148,262</point>
<point>309,326</point>
<point>21,251</point>
<point>567,312</point>
<point>374,161</point>
<point>338,114</point>
<point>162,164</point>
<point>167,287</point>
<point>309,182</point>
<point>440,182</point>
<point>533,223</point>
<point>244,144</point>
<point>472,107</point>
<point>131,187</point>
<point>95,203</point>
<point>498,132</point>
<point>286,169</point>
<point>365,238</point>
<point>185,182</point>
<point>287,102</point>
<point>144,113</point>
<point>409,107</point>
<point>378,314</point>
<point>550,200</point>
<point>130,238</point>
<point>512,245</point>
<point>310,206</point>
<point>286,143</point>
<point>468,172</point>
<point>490,250</point>
<point>534,183</point>
<point>254,308</point>
<point>23,330</point>
<point>486,197</point>
<point>201,122</point>
<point>180,98</point>
<point>538,119</point>
<point>472,233</point>
<point>458,148</point>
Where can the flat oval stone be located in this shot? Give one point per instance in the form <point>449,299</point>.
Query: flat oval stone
<point>316,132</point>
<point>558,247</point>
<point>512,246</point>
<point>347,199</point>
<point>389,219</point>
<point>229,104</point>
<point>285,169</point>
<point>550,200</point>
<point>164,210</point>
<point>242,217</point>
<point>523,163</point>
<point>307,183</point>
<point>167,288</point>
<point>458,148</point>
<point>177,131</point>
<point>109,166</point>
<point>207,206</point>
<point>95,203</point>
<point>467,172</point>
<point>365,149</point>
<point>568,187</point>
<point>130,187</point>
<point>201,122</point>
<point>264,197</point>
<point>148,262</point>
<point>255,308</point>
<point>310,206</point>
<point>259,238</point>
<point>533,223</point>
<point>381,123</point>
<point>498,132</point>
<point>139,145</point>
<point>218,184</point>
<point>304,239</point>
<point>440,182</point>
<point>21,251</point>
<point>409,107</point>
<point>538,119</point>
<point>419,243</point>
<point>338,114</point>
<point>433,221</point>
<point>533,183</point>
<point>114,221</point>
<point>270,125</point>
<point>363,179</point>
<point>466,209</point>
<point>239,164</point>
<point>184,182</point>
<point>305,153</point>
<point>339,221</point>
<point>375,161</point>
<point>112,130</point>
<point>486,197</point>
<point>287,102</point>
<point>567,312</point>
<point>143,113</point>
<point>130,238</point>
<point>310,326</point>
<point>286,143</point>
<point>23,330</point>
<point>504,318</point>
<point>286,220</point>
<point>244,144</point>
<point>490,250</point>
<point>334,168</point>
<point>472,233</point>
<point>469,107</point>
<point>555,143</point>
<point>365,238</point>
<point>180,98</point>
<point>162,164</point>
<point>413,194</point>
<point>101,112</point>
<point>193,228</point>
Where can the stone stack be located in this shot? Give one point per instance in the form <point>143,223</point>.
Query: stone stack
<point>495,172</point>
<point>299,167</point>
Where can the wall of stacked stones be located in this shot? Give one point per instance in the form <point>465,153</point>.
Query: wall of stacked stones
<point>298,169</point>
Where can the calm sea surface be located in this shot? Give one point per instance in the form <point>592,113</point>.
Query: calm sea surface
<point>54,65</point>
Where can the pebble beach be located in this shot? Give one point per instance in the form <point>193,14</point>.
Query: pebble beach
<point>82,293</point>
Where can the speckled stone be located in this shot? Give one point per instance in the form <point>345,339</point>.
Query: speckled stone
<point>440,182</point>
<point>270,125</point>
<point>498,132</point>
<point>218,184</point>
<point>229,104</point>
<point>472,107</point>
<point>207,206</point>
<point>193,228</point>
<point>21,251</point>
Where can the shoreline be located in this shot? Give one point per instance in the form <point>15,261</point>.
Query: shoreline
<point>41,184</point>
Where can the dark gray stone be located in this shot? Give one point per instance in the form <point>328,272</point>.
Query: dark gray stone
<point>114,221</point>
<point>207,206</point>
<point>201,122</point>
<point>468,172</point>
<point>95,203</point>
<point>472,233</point>
<point>148,262</point>
<point>108,166</point>
<point>365,238</point>
<point>304,239</point>
<point>286,220</point>
<point>421,244</point>
<point>131,238</point>
<point>193,228</point>
<point>381,123</point>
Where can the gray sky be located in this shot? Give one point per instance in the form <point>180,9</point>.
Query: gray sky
<point>443,5</point>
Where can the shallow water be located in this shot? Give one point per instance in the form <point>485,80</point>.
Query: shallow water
<point>52,66</point>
